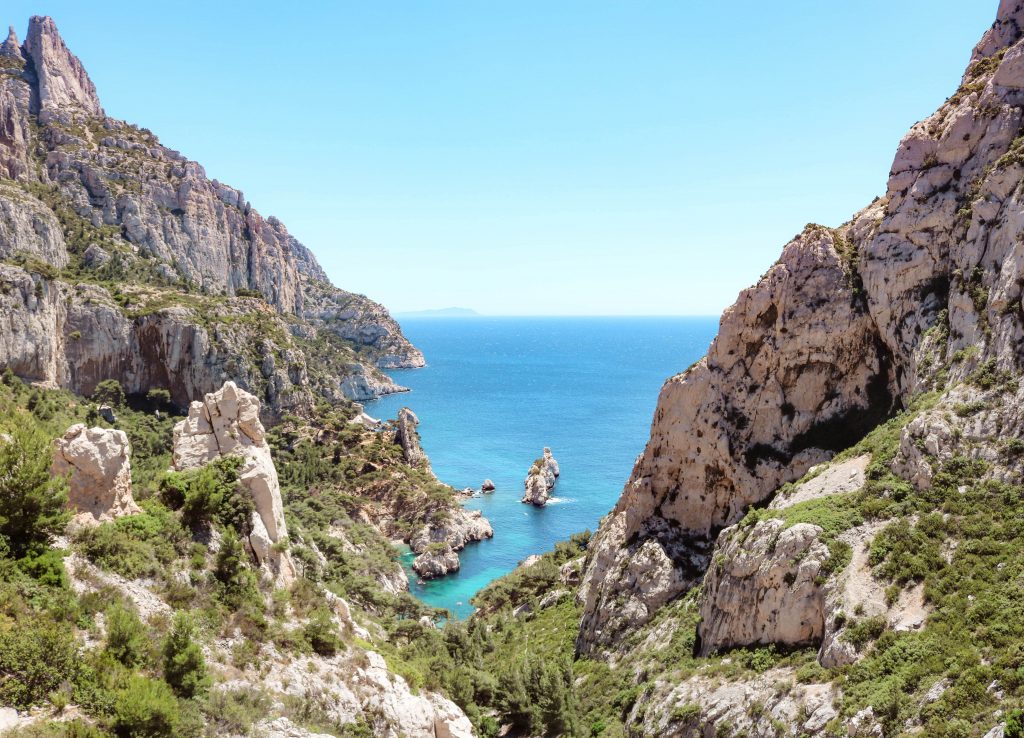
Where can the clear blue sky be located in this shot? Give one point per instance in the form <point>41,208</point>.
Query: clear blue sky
<point>533,156</point>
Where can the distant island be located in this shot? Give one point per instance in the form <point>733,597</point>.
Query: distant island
<point>449,312</point>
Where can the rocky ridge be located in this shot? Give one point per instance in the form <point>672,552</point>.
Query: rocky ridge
<point>120,259</point>
<point>915,294</point>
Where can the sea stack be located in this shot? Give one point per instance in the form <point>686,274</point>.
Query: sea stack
<point>540,480</point>
<point>487,486</point>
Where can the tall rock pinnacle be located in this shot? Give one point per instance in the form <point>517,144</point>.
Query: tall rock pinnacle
<point>11,47</point>
<point>62,80</point>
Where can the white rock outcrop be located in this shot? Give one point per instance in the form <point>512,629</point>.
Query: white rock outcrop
<point>225,423</point>
<point>436,544</point>
<point>763,587</point>
<point>98,463</point>
<point>540,480</point>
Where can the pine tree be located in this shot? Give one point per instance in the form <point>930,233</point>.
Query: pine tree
<point>236,580</point>
<point>31,501</point>
<point>184,665</point>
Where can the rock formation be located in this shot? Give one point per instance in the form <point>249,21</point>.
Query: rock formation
<point>98,463</point>
<point>436,561</point>
<point>227,422</point>
<point>408,438</point>
<point>540,480</point>
<point>847,327</point>
<point>436,544</point>
<point>154,274</point>
<point>487,486</point>
<point>763,588</point>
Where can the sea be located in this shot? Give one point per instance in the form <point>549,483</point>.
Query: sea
<point>496,391</point>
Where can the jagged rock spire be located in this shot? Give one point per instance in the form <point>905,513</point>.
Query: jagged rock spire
<point>62,80</point>
<point>11,47</point>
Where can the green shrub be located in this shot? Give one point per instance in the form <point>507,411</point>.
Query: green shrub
<point>1014,726</point>
<point>109,392</point>
<point>37,656</point>
<point>45,565</point>
<point>184,665</point>
<point>236,581</point>
<point>322,634</point>
<point>127,637</point>
<point>31,500</point>
<point>210,494</point>
<point>135,546</point>
<point>146,708</point>
<point>234,711</point>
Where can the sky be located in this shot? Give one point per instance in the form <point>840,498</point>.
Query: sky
<point>533,157</point>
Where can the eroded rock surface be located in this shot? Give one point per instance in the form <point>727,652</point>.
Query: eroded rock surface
<point>920,291</point>
<point>763,587</point>
<point>206,288</point>
<point>98,463</point>
<point>225,423</point>
<point>541,479</point>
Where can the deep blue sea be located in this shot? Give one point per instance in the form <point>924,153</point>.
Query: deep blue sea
<point>497,390</point>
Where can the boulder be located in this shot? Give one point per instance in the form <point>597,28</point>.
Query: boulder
<point>226,423</point>
<point>764,587</point>
<point>487,486</point>
<point>99,465</point>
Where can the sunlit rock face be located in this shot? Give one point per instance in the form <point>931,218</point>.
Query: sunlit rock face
<point>172,279</point>
<point>846,327</point>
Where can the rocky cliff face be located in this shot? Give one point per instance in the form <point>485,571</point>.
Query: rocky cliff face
<point>92,204</point>
<point>921,291</point>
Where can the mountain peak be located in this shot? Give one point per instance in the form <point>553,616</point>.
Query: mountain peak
<point>11,47</point>
<point>62,80</point>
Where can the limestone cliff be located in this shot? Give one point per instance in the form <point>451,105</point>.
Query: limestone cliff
<point>921,291</point>
<point>122,259</point>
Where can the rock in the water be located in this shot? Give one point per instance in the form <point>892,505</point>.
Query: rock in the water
<point>487,486</point>
<point>227,422</point>
<point>436,561</point>
<point>540,481</point>
<point>98,461</point>
<point>437,544</point>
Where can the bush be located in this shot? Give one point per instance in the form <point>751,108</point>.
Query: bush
<point>45,565</point>
<point>135,546</point>
<point>184,665</point>
<point>210,494</point>
<point>127,638</point>
<point>36,658</point>
<point>146,708</point>
<point>109,392</point>
<point>236,582</point>
<point>322,633</point>
<point>31,501</point>
<point>159,398</point>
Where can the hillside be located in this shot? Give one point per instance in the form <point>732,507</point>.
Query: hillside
<point>120,259</point>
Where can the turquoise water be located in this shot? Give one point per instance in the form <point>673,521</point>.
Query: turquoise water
<point>497,390</point>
